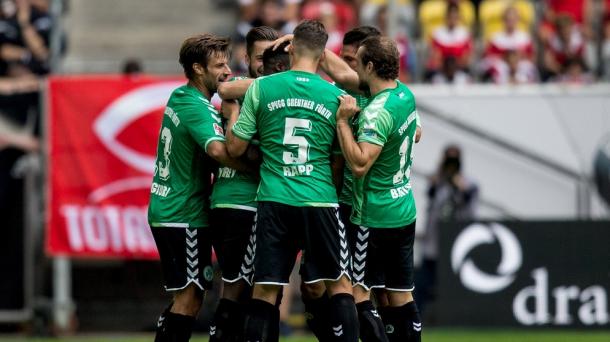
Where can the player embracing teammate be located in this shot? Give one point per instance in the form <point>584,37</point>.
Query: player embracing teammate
<point>299,121</point>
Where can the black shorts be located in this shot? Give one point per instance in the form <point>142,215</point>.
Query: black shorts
<point>345,212</point>
<point>185,257</point>
<point>230,230</point>
<point>282,231</point>
<point>383,258</point>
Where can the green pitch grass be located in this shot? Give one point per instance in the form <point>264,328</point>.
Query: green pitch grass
<point>431,335</point>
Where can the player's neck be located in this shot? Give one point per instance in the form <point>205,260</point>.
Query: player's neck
<point>305,64</point>
<point>201,87</point>
<point>378,85</point>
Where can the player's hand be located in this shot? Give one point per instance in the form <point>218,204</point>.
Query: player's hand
<point>417,134</point>
<point>348,107</point>
<point>228,108</point>
<point>286,38</point>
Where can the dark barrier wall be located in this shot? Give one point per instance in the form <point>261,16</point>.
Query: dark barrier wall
<point>534,274</point>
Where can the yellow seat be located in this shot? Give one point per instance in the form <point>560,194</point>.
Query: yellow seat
<point>432,15</point>
<point>491,13</point>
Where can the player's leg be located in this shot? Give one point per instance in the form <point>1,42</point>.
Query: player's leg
<point>231,230</point>
<point>317,304</point>
<point>326,258</point>
<point>367,275</point>
<point>276,250</point>
<point>401,317</point>
<point>187,271</point>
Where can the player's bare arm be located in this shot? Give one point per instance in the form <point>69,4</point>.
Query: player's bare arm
<point>331,64</point>
<point>235,145</point>
<point>234,89</point>
<point>339,71</point>
<point>359,156</point>
<point>217,150</point>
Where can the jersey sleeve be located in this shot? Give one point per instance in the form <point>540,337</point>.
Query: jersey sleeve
<point>245,127</point>
<point>203,124</point>
<point>374,126</point>
<point>417,119</point>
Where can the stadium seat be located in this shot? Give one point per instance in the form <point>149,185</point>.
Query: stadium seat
<point>492,11</point>
<point>432,15</point>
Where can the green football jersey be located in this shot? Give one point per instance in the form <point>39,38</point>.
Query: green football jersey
<point>180,185</point>
<point>383,197</point>
<point>346,194</point>
<point>234,189</point>
<point>293,113</point>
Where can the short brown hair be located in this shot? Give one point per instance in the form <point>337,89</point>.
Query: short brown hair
<point>310,35</point>
<point>383,53</point>
<point>257,34</point>
<point>199,49</point>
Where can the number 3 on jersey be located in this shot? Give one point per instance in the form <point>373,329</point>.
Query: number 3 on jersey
<point>292,127</point>
<point>163,161</point>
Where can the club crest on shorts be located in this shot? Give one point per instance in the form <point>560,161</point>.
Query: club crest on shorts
<point>208,273</point>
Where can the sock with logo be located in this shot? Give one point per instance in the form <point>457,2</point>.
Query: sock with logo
<point>317,316</point>
<point>343,318</point>
<point>175,328</point>
<point>261,322</point>
<point>161,325</point>
<point>227,324</point>
<point>371,326</point>
<point>402,323</point>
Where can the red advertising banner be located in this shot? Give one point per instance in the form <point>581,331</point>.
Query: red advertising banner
<point>102,137</point>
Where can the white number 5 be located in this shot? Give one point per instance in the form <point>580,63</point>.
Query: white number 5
<point>290,139</point>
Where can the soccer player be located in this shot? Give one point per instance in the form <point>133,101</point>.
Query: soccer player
<point>257,40</point>
<point>276,60</point>
<point>233,206</point>
<point>191,141</point>
<point>294,114</point>
<point>384,207</point>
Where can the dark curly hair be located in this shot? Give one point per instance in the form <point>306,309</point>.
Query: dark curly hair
<point>383,53</point>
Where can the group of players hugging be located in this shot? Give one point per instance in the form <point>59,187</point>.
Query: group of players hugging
<point>292,166</point>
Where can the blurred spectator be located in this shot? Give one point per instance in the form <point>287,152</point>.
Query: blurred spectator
<point>282,15</point>
<point>344,12</point>
<point>433,14</point>
<point>492,16</point>
<point>451,40</point>
<point>566,43</point>
<point>511,38</point>
<point>509,54</point>
<point>511,68</point>
<point>406,50</point>
<point>406,14</point>
<point>451,74</point>
<point>326,13</point>
<point>578,10</point>
<point>575,71</point>
<point>25,29</point>
<point>18,138</point>
<point>451,197</point>
<point>132,67</point>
